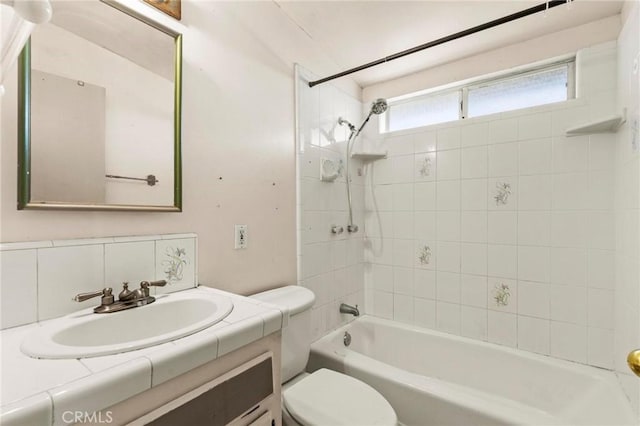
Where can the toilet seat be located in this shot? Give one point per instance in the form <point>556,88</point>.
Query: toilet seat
<point>330,398</point>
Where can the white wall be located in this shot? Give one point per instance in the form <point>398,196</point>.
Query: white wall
<point>330,265</point>
<point>238,148</point>
<point>627,205</point>
<point>552,242</point>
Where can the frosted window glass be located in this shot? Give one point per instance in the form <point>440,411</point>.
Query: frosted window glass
<point>424,111</point>
<point>541,88</point>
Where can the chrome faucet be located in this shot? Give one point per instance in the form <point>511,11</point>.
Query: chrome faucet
<point>348,309</point>
<point>126,299</point>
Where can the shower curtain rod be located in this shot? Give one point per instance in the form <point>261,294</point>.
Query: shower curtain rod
<point>526,12</point>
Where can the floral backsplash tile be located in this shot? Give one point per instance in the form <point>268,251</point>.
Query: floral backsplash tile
<point>501,294</point>
<point>424,255</point>
<point>425,168</point>
<point>175,263</point>
<point>502,193</point>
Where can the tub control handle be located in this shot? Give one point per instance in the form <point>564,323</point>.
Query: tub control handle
<point>335,229</point>
<point>634,361</point>
<point>346,339</point>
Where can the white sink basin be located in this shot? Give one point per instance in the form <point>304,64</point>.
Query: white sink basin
<point>85,334</point>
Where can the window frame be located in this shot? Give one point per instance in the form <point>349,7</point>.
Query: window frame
<point>463,90</point>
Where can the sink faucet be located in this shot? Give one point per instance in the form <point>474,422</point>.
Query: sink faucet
<point>126,299</point>
<point>348,309</point>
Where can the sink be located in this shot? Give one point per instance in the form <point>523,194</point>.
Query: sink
<point>84,334</point>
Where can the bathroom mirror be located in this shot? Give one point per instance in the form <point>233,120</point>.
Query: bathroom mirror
<point>99,119</point>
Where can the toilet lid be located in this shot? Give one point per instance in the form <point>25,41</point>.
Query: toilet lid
<point>330,398</point>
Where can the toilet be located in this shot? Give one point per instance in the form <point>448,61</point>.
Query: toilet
<point>324,397</point>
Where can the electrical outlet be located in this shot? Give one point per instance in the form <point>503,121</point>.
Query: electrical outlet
<point>241,236</point>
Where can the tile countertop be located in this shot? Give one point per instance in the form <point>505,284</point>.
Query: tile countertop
<point>38,391</point>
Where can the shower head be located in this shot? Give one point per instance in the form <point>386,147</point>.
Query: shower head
<point>379,106</point>
<point>342,122</point>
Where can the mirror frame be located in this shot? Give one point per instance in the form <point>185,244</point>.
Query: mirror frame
<point>24,131</point>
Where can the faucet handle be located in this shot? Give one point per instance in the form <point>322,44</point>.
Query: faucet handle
<point>144,286</point>
<point>106,293</point>
<point>125,294</point>
<point>147,284</point>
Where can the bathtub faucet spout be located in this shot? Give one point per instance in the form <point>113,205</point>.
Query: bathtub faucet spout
<point>348,309</point>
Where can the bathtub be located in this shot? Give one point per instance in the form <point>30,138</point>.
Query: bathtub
<point>433,378</point>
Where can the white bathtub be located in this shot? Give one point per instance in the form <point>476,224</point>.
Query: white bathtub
<point>433,378</point>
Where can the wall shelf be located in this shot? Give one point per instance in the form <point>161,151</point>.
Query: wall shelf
<point>608,124</point>
<point>369,156</point>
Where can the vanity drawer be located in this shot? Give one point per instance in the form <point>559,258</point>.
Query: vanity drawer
<point>238,397</point>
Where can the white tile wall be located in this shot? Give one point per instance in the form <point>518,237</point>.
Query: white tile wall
<point>512,202</point>
<point>626,299</point>
<point>44,276</point>
<point>19,278</point>
<point>332,266</point>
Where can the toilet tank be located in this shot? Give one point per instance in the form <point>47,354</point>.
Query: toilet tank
<point>296,336</point>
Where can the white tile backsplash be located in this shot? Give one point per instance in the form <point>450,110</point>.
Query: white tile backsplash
<point>534,126</point>
<point>448,317</point>
<point>533,299</point>
<point>424,196</point>
<point>568,341</point>
<point>448,138</point>
<point>502,227</point>
<point>474,323</point>
<point>473,194</point>
<point>47,277</point>
<point>570,154</point>
<point>64,272</point>
<point>504,130</point>
<point>19,278</point>
<point>474,134</point>
<point>424,312</point>
<point>448,164</point>
<point>503,159</point>
<point>502,328</point>
<point>474,162</point>
<point>473,290</point>
<point>129,262</point>
<point>534,157</point>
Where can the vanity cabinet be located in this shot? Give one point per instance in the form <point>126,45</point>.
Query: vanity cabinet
<point>240,388</point>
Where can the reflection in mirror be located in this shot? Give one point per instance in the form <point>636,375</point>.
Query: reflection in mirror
<point>100,107</point>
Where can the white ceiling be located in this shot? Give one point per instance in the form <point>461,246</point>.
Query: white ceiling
<point>356,32</point>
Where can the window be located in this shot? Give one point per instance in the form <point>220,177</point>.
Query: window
<point>532,87</point>
<point>423,111</point>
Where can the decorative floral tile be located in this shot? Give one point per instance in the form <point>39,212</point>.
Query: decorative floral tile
<point>502,295</point>
<point>425,257</point>
<point>502,193</point>
<point>176,263</point>
<point>425,167</point>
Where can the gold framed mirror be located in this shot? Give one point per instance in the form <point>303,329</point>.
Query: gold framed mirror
<point>100,112</point>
